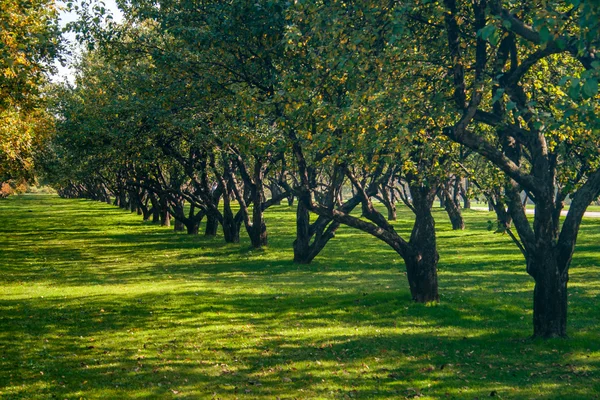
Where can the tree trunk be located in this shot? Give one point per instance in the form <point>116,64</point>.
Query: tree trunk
<point>231,230</point>
<point>165,215</point>
<point>464,193</point>
<point>193,227</point>
<point>133,202</point>
<point>155,209</point>
<point>421,271</point>
<point>259,236</point>
<point>453,211</point>
<point>549,296</point>
<point>421,264</point>
<point>275,192</point>
<point>391,212</point>
<point>179,226</point>
<point>212,225</point>
<point>302,242</point>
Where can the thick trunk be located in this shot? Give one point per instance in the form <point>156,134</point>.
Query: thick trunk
<point>165,215</point>
<point>146,212</point>
<point>391,212</point>
<point>122,200</point>
<point>549,297</point>
<point>258,237</point>
<point>155,215</point>
<point>302,242</point>
<point>231,230</point>
<point>421,263</point>
<point>192,227</point>
<point>133,202</point>
<point>275,192</point>
<point>463,189</point>
<point>453,211</point>
<point>179,226</point>
<point>212,225</point>
<point>155,209</point>
<point>421,271</point>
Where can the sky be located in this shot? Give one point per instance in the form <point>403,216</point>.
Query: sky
<point>65,72</point>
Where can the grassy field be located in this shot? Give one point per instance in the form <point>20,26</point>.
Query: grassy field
<point>96,304</point>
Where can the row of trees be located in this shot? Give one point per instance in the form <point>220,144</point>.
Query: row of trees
<point>210,103</point>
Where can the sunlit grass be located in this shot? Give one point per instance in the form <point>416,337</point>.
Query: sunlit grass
<point>96,304</point>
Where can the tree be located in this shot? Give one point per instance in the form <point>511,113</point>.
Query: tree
<point>533,86</point>
<point>29,42</point>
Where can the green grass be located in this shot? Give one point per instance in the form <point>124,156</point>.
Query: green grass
<point>96,304</point>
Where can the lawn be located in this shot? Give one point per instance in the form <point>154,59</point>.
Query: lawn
<point>95,304</point>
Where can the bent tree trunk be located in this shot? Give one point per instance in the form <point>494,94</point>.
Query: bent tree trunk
<point>453,210</point>
<point>320,232</point>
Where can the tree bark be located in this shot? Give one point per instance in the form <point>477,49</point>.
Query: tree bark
<point>549,297</point>
<point>421,263</point>
<point>165,215</point>
<point>179,226</point>
<point>212,225</point>
<point>453,211</point>
<point>302,242</point>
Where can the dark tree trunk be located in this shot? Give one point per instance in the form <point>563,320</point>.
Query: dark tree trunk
<point>258,235</point>
<point>464,193</point>
<point>391,212</point>
<point>421,271</point>
<point>212,225</point>
<point>302,242</point>
<point>549,297</point>
<point>193,227</point>
<point>421,263</point>
<point>179,226</point>
<point>387,199</point>
<point>155,209</point>
<point>320,232</point>
<point>133,201</point>
<point>155,215</point>
<point>146,212</point>
<point>122,199</point>
<point>231,230</point>
<point>165,215</point>
<point>453,211</point>
<point>275,192</point>
<point>290,200</point>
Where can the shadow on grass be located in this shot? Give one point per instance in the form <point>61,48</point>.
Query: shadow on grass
<point>96,304</point>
